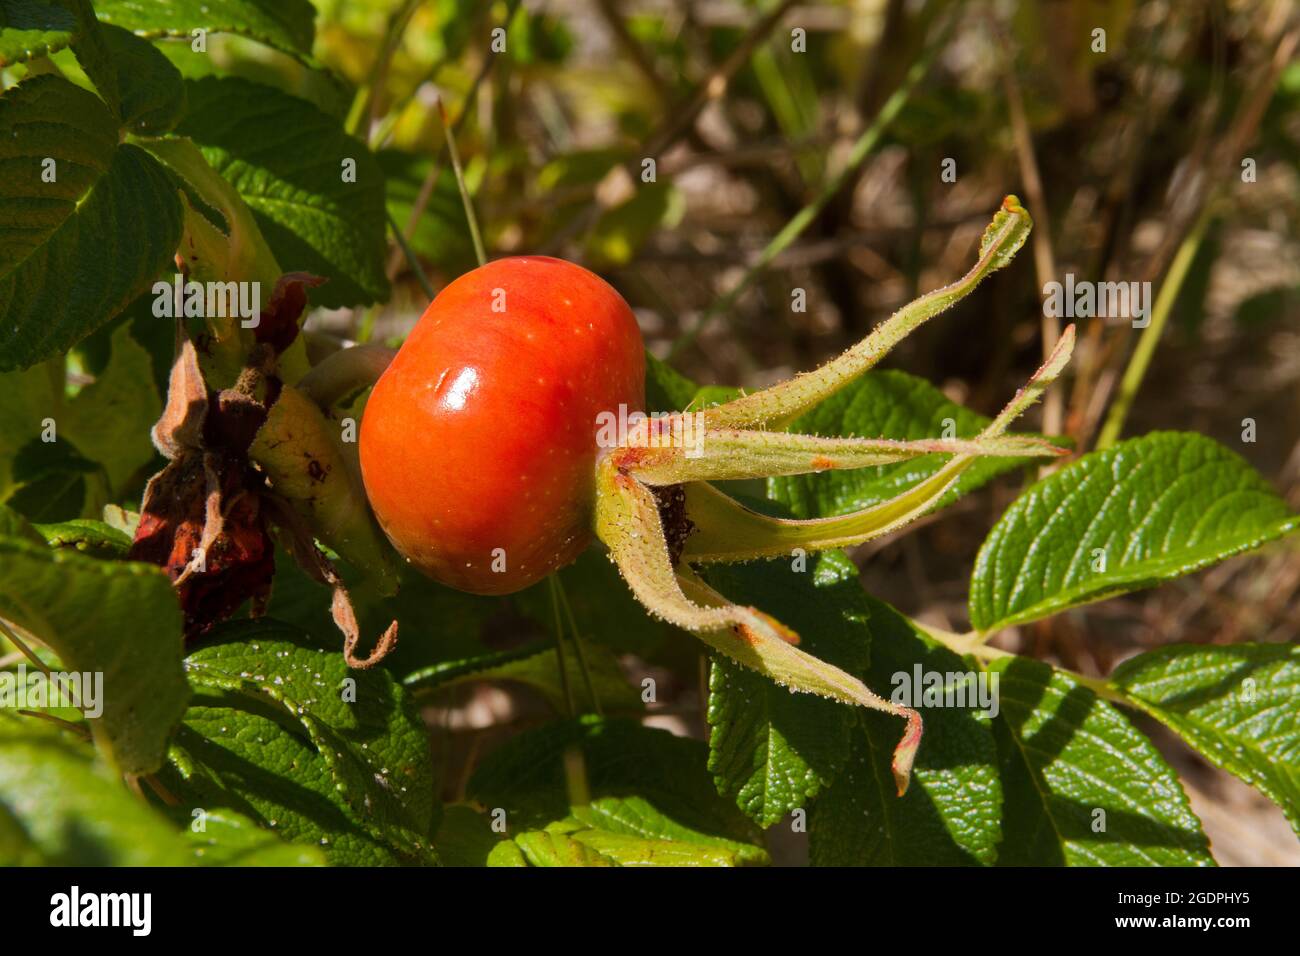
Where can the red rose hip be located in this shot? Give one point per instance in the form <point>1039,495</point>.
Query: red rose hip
<point>478,443</point>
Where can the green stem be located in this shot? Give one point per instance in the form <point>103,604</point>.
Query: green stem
<point>578,648</point>
<point>470,217</point>
<point>560,661</point>
<point>26,651</point>
<point>1150,338</point>
<point>411,259</point>
<point>972,644</point>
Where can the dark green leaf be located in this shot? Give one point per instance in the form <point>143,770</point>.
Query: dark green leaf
<point>153,96</point>
<point>951,813</point>
<point>1235,704</point>
<point>771,750</point>
<point>225,838</point>
<point>525,776</point>
<point>38,28</point>
<point>73,252</point>
<point>277,735</point>
<point>1130,517</point>
<point>1081,786</point>
<point>286,159</point>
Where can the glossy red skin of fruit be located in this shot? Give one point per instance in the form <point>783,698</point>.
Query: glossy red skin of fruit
<point>482,433</point>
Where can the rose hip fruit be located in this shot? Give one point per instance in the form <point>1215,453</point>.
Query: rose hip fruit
<point>478,444</point>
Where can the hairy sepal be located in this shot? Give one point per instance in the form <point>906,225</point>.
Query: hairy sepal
<point>628,522</point>
<point>725,530</point>
<point>735,454</point>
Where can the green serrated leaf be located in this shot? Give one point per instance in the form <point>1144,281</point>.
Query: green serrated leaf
<point>1081,786</point>
<point>285,158</point>
<point>1236,705</point>
<point>116,619</point>
<point>30,29</point>
<point>352,734</point>
<point>1130,517</point>
<point>287,25</point>
<point>771,750</point>
<point>59,806</point>
<point>73,252</point>
<point>885,404</point>
<point>226,838</point>
<point>951,813</point>
<point>548,848</point>
<point>153,96</point>
<point>633,832</point>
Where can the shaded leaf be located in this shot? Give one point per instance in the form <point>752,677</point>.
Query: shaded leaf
<point>74,252</point>
<point>1081,786</point>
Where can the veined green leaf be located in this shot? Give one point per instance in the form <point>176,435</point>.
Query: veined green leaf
<point>153,96</point>
<point>285,733</point>
<point>1235,704</point>
<point>30,29</point>
<point>951,813</point>
<point>624,831</point>
<point>1129,517</point>
<point>770,750</point>
<point>287,25</point>
<point>225,838</point>
<point>286,159</point>
<point>1081,785</point>
<point>116,619</point>
<point>73,252</point>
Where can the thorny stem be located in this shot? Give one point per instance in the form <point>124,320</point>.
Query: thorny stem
<point>1150,338</point>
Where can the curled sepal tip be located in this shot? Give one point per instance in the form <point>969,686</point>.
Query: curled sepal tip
<point>629,523</point>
